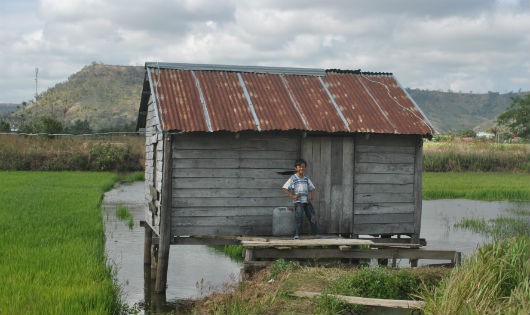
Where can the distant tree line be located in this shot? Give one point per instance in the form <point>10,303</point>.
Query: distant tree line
<point>50,125</point>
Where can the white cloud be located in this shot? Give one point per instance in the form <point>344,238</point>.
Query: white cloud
<point>477,45</point>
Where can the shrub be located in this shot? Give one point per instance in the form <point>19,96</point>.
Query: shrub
<point>379,283</point>
<point>80,153</point>
<point>109,156</point>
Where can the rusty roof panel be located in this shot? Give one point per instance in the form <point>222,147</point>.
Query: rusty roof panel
<point>272,103</point>
<point>178,100</point>
<point>199,98</point>
<point>226,103</point>
<point>315,104</point>
<point>360,110</point>
<point>401,111</point>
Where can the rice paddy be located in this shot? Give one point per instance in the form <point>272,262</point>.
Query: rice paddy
<point>477,186</point>
<point>53,259</point>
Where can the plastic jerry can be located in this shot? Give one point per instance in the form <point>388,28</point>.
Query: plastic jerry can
<point>283,222</point>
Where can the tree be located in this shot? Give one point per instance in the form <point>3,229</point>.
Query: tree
<point>80,127</point>
<point>43,124</point>
<point>517,117</point>
<point>4,126</point>
<point>468,133</point>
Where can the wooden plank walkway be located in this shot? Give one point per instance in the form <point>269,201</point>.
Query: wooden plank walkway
<point>326,242</point>
<point>333,240</point>
<point>366,301</point>
<point>259,250</point>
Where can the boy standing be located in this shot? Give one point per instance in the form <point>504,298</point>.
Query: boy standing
<point>300,188</point>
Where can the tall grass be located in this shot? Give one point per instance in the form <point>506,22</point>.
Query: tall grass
<point>496,280</point>
<point>477,186</point>
<point>479,156</point>
<point>72,153</point>
<point>52,257</point>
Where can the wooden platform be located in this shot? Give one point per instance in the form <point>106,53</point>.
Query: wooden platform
<point>259,252</point>
<point>281,241</point>
<point>327,242</point>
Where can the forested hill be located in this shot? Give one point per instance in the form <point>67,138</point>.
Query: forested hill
<point>449,111</point>
<point>108,97</point>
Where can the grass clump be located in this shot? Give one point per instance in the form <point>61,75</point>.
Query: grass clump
<point>123,213</point>
<point>53,256</point>
<point>380,283</point>
<point>496,280</point>
<point>280,266</point>
<point>235,252</point>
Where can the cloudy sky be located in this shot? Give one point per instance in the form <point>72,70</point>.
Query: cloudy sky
<point>471,45</point>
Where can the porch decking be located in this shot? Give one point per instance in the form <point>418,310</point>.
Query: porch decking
<point>259,253</point>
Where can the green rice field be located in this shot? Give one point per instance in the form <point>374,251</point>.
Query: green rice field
<point>52,244</point>
<point>477,186</point>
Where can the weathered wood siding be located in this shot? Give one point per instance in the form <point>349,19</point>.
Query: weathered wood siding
<point>154,148</point>
<point>225,184</point>
<point>330,167</point>
<point>385,190</point>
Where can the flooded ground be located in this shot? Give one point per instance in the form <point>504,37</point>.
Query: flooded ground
<point>197,270</point>
<point>193,270</point>
<point>439,217</point>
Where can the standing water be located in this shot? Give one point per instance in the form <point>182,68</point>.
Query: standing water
<point>440,216</point>
<point>195,271</point>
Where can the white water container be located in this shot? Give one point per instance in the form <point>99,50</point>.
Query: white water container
<point>283,222</point>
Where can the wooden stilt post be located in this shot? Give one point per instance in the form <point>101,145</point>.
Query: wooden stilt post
<point>148,271</point>
<point>457,261</point>
<point>165,218</point>
<point>154,257</point>
<point>418,168</point>
<point>148,241</point>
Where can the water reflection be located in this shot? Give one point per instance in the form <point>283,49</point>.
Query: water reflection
<point>439,217</point>
<point>195,271</point>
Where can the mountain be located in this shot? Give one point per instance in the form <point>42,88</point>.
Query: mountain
<point>6,108</point>
<point>108,97</point>
<point>449,111</point>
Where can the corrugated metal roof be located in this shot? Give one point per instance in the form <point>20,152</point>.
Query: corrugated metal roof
<point>192,97</point>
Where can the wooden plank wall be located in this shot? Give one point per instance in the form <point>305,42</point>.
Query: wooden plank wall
<point>330,168</point>
<point>153,169</point>
<point>385,174</point>
<point>225,184</point>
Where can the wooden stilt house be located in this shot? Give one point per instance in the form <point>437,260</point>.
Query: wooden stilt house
<point>217,137</point>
